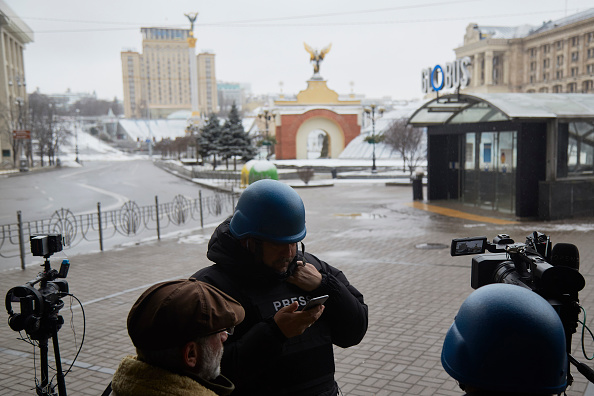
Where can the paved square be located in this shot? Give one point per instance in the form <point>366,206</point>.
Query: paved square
<point>386,248</point>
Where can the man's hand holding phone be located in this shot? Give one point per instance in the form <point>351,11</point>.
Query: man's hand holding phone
<point>293,322</point>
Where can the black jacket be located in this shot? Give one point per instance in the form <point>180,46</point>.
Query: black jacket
<point>258,358</point>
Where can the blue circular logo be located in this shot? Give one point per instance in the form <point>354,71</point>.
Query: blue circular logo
<point>434,78</point>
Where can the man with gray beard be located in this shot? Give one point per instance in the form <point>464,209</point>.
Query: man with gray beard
<point>178,329</point>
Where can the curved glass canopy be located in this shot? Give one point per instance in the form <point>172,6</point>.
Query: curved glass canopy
<point>463,109</point>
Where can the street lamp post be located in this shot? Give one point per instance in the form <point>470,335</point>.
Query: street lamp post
<point>371,113</point>
<point>267,115</point>
<point>76,134</point>
<point>23,158</point>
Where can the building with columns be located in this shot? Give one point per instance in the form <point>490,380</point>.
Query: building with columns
<point>557,57</point>
<point>157,82</point>
<point>14,35</point>
<point>518,137</point>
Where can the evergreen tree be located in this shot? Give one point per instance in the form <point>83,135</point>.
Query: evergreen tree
<point>236,142</point>
<point>210,139</point>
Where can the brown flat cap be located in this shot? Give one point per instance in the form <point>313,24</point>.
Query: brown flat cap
<point>169,314</point>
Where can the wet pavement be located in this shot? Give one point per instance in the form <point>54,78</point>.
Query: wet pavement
<point>396,254</point>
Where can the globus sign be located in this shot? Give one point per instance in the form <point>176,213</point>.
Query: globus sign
<point>454,75</point>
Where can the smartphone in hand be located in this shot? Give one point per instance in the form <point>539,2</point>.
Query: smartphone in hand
<point>314,302</point>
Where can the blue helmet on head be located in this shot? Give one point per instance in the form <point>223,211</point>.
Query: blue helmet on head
<point>269,210</point>
<point>507,338</point>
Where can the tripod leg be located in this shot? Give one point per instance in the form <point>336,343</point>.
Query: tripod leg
<point>42,389</point>
<point>59,374</point>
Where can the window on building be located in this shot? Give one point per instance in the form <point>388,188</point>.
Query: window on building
<point>590,53</point>
<point>532,79</point>
<point>546,48</point>
<point>489,169</point>
<point>543,90</point>
<point>557,89</point>
<point>575,56</point>
<point>572,87</point>
<point>575,41</point>
<point>546,63</point>
<point>590,68</point>
<point>590,37</point>
<point>559,60</point>
<point>532,52</point>
<point>587,86</point>
<point>482,68</point>
<point>559,44</point>
<point>559,74</point>
<point>545,77</point>
<point>532,66</point>
<point>580,148</point>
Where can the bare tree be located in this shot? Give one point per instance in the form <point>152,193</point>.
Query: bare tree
<point>407,141</point>
<point>47,127</point>
<point>96,107</point>
<point>6,128</point>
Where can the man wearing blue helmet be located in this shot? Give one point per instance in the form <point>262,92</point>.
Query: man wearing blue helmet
<point>280,349</point>
<point>506,340</point>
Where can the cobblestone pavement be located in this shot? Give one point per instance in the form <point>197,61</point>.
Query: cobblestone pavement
<point>394,254</point>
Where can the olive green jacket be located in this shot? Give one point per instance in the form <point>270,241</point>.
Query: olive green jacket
<point>136,378</point>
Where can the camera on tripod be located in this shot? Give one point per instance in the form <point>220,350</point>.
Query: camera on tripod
<point>533,265</point>
<point>39,307</point>
<point>553,273</point>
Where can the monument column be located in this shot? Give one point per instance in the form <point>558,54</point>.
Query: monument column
<point>193,66</point>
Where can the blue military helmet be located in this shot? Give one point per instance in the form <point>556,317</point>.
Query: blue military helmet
<point>507,338</point>
<point>269,210</point>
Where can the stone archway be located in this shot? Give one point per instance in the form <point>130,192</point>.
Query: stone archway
<point>317,107</point>
<point>293,129</point>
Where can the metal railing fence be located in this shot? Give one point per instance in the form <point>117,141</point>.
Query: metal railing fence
<point>129,220</point>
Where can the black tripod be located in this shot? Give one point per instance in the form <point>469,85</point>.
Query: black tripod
<point>39,308</point>
<point>45,387</point>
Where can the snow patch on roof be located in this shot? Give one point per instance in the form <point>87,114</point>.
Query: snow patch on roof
<point>512,32</point>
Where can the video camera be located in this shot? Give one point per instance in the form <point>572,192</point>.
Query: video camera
<point>551,273</point>
<point>523,264</point>
<point>39,308</point>
<point>38,305</point>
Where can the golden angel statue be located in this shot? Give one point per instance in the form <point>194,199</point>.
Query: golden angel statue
<point>317,56</point>
<point>192,18</point>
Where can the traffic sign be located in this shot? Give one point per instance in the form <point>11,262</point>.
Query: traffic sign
<point>21,134</point>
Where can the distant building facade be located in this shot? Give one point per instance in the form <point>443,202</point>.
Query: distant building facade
<point>67,99</point>
<point>14,35</point>
<point>229,93</point>
<point>557,57</point>
<point>157,83</point>
<point>207,84</point>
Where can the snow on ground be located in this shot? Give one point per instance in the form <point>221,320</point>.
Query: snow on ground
<point>90,149</point>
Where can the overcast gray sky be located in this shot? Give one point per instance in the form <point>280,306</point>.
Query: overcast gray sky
<point>380,46</point>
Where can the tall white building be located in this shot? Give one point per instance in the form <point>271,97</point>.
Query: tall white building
<point>157,81</point>
<point>14,35</point>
